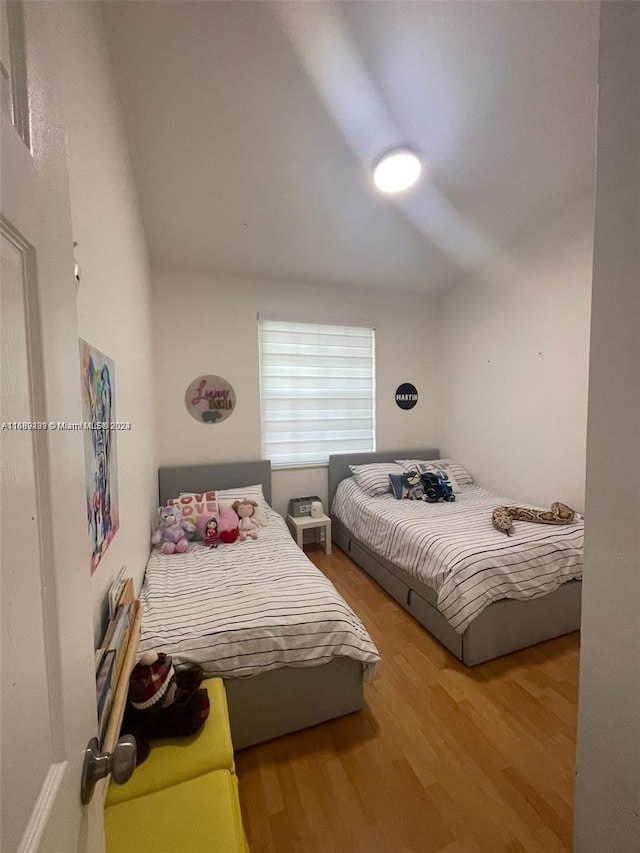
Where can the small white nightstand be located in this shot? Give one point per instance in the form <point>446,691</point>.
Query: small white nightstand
<point>297,526</point>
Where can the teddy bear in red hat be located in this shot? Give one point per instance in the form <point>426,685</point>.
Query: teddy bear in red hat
<point>163,703</point>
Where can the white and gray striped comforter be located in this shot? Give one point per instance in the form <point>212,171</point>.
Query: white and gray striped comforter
<point>242,609</point>
<point>455,550</point>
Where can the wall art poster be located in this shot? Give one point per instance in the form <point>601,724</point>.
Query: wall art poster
<point>100,456</point>
<point>210,399</point>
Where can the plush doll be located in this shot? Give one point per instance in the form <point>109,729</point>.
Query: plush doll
<point>413,486</point>
<point>447,491</point>
<point>248,526</point>
<point>211,532</point>
<point>163,703</point>
<point>436,488</point>
<point>207,526</point>
<point>228,525</point>
<point>172,530</point>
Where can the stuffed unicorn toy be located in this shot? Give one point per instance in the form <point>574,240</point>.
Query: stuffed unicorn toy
<point>172,530</point>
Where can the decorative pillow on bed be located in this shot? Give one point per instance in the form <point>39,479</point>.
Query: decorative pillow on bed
<point>192,505</point>
<point>407,486</point>
<point>462,475</point>
<point>374,478</point>
<point>398,489</point>
<point>456,472</point>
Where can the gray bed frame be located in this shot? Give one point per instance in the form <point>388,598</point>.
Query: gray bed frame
<point>505,626</point>
<point>286,699</point>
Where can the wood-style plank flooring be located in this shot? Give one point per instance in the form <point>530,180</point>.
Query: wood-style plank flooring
<point>443,758</point>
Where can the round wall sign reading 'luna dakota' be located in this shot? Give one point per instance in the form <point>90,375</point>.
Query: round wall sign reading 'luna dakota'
<point>406,395</point>
<point>210,399</point>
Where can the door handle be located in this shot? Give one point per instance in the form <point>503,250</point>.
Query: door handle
<point>120,763</point>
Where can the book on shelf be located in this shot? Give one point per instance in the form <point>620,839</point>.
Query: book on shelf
<point>99,655</point>
<point>105,686</point>
<point>117,634</point>
<point>127,596</point>
<point>115,591</point>
<point>121,640</point>
<point>110,657</point>
<point>115,626</point>
<point>103,718</point>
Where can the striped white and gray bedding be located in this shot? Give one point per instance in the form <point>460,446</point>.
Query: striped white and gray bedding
<point>242,609</point>
<point>454,549</point>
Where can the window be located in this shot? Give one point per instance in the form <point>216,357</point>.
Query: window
<point>317,391</point>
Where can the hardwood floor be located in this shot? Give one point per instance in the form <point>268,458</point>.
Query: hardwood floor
<point>443,758</point>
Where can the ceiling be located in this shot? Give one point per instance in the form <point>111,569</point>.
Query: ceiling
<point>252,128</point>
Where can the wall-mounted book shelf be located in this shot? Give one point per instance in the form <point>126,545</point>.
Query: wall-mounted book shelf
<point>112,732</point>
<point>121,641</point>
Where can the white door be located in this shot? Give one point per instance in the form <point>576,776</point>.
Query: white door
<point>47,685</point>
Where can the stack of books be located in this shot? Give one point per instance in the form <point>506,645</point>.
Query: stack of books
<point>113,648</point>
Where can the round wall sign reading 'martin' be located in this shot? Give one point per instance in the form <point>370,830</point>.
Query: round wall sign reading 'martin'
<point>210,399</point>
<point>406,395</point>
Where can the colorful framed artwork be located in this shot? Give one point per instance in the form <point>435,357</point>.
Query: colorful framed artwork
<point>100,455</point>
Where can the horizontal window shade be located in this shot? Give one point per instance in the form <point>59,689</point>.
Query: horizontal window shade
<point>317,387</point>
<point>314,427</point>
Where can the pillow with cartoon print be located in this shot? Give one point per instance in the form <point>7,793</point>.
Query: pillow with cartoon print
<point>440,467</point>
<point>407,486</point>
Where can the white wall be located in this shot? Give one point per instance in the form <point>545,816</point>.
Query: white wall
<point>514,344</point>
<point>607,807</point>
<point>208,324</point>
<point>114,302</point>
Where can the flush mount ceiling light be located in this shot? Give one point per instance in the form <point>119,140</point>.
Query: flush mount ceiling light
<point>397,170</point>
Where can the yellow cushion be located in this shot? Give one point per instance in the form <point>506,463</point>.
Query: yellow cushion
<point>177,759</point>
<point>201,815</point>
<point>238,813</point>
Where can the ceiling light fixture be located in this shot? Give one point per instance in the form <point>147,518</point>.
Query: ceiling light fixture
<point>397,170</point>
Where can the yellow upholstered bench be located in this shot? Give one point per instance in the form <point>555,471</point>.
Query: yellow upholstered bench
<point>184,797</point>
<point>177,759</point>
<point>201,815</point>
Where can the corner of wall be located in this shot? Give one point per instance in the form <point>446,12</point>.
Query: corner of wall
<point>512,389</point>
<point>114,299</point>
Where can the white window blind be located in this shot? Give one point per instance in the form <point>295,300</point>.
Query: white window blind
<point>317,389</point>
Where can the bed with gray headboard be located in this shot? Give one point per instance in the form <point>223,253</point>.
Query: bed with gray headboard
<point>281,700</point>
<point>504,626</point>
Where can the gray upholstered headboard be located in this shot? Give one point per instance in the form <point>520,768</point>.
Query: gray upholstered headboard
<point>174,479</point>
<point>339,464</point>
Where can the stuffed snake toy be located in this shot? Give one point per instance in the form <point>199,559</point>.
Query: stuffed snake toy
<point>503,516</point>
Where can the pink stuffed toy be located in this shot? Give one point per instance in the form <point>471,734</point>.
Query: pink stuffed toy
<point>228,525</point>
<point>248,525</point>
<point>172,530</point>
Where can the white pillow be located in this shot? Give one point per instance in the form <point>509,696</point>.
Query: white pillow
<point>374,478</point>
<point>462,475</point>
